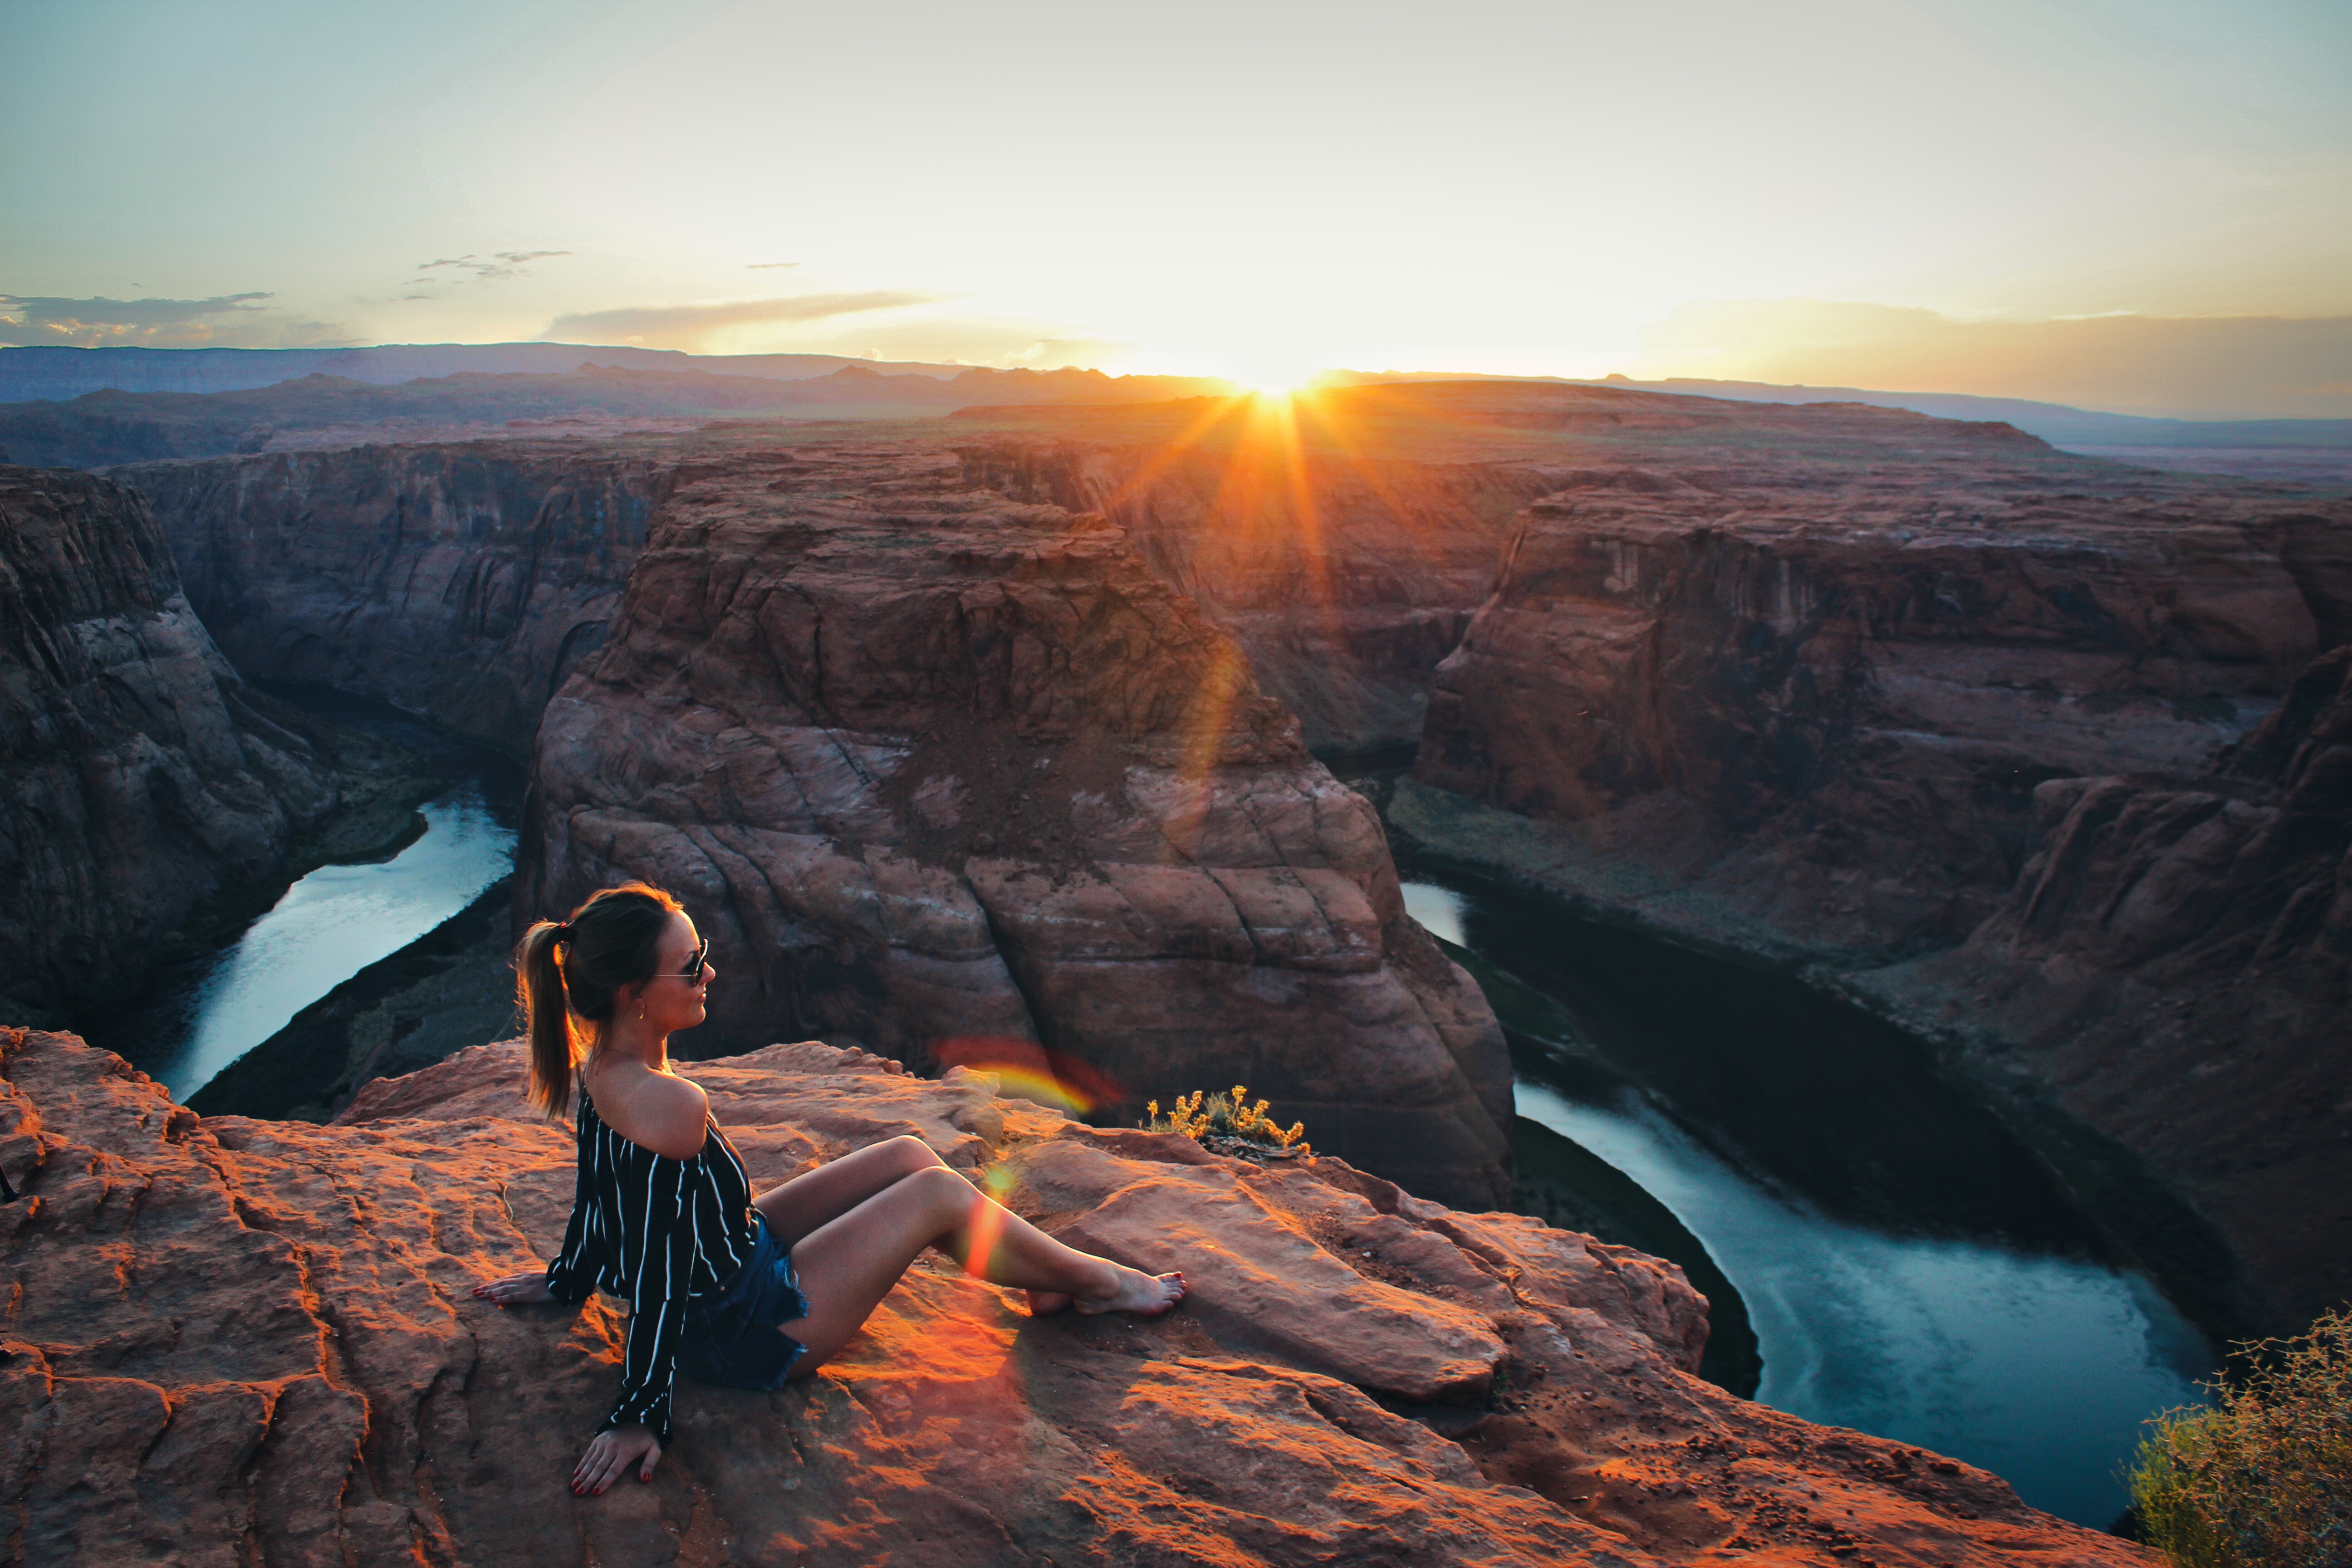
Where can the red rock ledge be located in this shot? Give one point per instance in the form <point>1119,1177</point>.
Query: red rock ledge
<point>239,1342</point>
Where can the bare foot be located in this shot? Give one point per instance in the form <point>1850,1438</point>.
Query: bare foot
<point>1045,1303</point>
<point>1145,1295</point>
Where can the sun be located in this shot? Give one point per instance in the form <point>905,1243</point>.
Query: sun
<point>1276,382</point>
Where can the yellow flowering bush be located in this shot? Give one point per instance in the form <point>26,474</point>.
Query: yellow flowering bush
<point>1212,1119</point>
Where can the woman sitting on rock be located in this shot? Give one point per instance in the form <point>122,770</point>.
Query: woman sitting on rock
<point>742,1292</point>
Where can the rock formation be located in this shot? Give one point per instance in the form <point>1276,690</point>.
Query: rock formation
<point>1344,576</point>
<point>232,1341</point>
<point>1345,538</point>
<point>142,774</point>
<point>1849,718</point>
<point>948,775</point>
<point>2178,955</point>
<point>459,583</point>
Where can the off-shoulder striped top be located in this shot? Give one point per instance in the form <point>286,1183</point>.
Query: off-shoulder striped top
<point>655,1232</point>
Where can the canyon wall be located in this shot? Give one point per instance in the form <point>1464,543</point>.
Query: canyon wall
<point>141,773</point>
<point>233,1340</point>
<point>1346,536</point>
<point>1346,578</point>
<point>2178,957</point>
<point>1957,731</point>
<point>459,583</point>
<point>1837,691</point>
<point>956,777</point>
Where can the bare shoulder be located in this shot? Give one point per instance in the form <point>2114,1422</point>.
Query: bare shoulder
<point>654,1110</point>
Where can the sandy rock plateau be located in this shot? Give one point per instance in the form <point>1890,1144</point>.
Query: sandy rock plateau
<point>231,1342</point>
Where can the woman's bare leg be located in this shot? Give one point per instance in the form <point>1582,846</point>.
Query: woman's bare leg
<point>813,1198</point>
<point>849,1264</point>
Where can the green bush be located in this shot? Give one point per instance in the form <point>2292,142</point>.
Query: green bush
<point>2262,1477</point>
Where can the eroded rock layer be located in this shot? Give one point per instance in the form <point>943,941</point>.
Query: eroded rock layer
<point>141,773</point>
<point>949,775</point>
<point>460,583</point>
<point>1345,577</point>
<point>1346,537</point>
<point>231,1340</point>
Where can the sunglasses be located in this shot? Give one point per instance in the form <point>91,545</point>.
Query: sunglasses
<point>695,971</point>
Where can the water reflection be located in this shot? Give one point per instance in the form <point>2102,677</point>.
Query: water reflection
<point>330,925</point>
<point>1906,1269</point>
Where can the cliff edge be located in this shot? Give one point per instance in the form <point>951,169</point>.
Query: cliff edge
<point>233,1340</point>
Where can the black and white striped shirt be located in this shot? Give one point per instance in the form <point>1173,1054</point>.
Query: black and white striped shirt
<point>655,1232</point>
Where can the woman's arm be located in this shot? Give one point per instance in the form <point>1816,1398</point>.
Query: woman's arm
<point>568,1277</point>
<point>660,1244</point>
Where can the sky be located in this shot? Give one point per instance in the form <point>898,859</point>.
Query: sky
<point>2144,203</point>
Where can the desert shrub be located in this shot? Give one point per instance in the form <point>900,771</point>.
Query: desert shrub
<point>1228,1123</point>
<point>2262,1477</point>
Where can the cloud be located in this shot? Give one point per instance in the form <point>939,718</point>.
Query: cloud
<point>224,320</point>
<point>2198,367</point>
<point>769,265</point>
<point>693,327</point>
<point>500,264</point>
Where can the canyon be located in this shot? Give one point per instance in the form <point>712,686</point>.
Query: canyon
<point>1792,682</point>
<point>233,1339</point>
<point>945,771</point>
<point>145,778</point>
<point>992,746</point>
<point>460,584</point>
<point>1868,725</point>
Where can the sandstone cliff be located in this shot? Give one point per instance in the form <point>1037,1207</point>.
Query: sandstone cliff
<point>459,583</point>
<point>1837,691</point>
<point>233,1341</point>
<point>1847,718</point>
<point>1345,577</point>
<point>2178,957</point>
<point>949,776</point>
<point>1346,537</point>
<point>141,773</point>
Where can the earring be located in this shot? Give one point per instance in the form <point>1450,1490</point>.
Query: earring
<point>641,1012</point>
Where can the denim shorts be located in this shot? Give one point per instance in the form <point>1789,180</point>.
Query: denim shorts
<point>731,1336</point>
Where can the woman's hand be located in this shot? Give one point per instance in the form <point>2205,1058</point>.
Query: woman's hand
<point>515,1289</point>
<point>611,1454</point>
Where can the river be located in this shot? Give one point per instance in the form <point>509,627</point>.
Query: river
<point>1906,1267</point>
<point>330,924</point>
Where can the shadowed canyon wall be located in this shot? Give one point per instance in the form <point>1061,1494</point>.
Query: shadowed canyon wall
<point>1854,717</point>
<point>945,773</point>
<point>459,583</point>
<point>143,773</point>
<point>2177,954</point>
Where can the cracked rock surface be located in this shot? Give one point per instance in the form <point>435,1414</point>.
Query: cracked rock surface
<point>234,1342</point>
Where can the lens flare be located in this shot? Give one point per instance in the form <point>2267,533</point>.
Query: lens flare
<point>1027,1070</point>
<point>982,1232</point>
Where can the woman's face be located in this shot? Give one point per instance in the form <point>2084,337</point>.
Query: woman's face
<point>674,1000</point>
